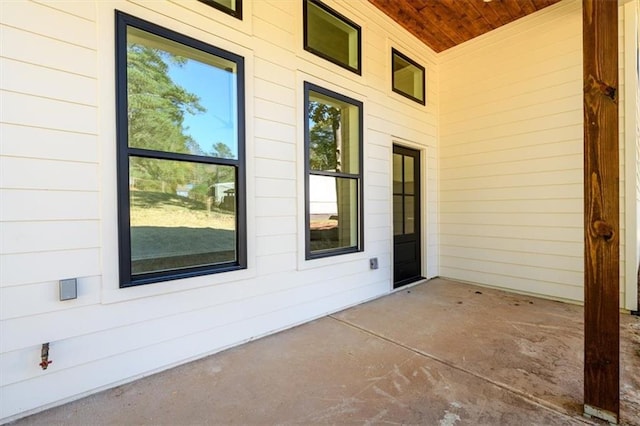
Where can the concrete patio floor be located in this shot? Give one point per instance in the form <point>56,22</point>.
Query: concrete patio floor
<point>440,353</point>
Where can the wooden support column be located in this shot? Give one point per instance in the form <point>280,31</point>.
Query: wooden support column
<point>601,210</point>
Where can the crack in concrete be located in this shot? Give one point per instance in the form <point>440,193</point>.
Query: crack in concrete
<point>526,396</point>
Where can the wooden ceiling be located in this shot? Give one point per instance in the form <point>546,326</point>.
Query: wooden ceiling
<point>442,24</point>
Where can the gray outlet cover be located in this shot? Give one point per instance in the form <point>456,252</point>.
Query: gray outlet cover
<point>373,263</point>
<point>68,289</point>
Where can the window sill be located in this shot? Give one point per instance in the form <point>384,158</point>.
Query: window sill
<point>112,293</point>
<point>328,261</point>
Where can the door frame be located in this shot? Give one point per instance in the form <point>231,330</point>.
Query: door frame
<point>423,223</point>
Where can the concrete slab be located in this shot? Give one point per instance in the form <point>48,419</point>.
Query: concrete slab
<point>441,353</point>
<point>532,346</point>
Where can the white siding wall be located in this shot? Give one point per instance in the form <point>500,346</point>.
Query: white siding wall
<point>637,141</point>
<point>631,122</point>
<point>511,157</point>
<point>58,216</point>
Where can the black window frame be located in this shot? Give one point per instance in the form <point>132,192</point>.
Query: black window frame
<point>340,17</point>
<point>124,152</point>
<point>423,101</point>
<point>359,177</point>
<point>237,13</point>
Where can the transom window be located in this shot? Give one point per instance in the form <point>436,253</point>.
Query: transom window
<point>407,77</point>
<point>333,155</point>
<point>331,36</point>
<point>180,120</point>
<point>232,7</point>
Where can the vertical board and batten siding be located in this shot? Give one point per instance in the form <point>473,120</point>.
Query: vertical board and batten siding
<point>511,172</point>
<point>58,175</point>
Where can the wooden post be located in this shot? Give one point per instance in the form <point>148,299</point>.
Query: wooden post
<point>601,210</point>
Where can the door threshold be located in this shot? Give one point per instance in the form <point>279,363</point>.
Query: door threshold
<point>421,280</point>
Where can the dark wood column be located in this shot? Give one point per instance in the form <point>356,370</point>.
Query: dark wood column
<point>601,210</point>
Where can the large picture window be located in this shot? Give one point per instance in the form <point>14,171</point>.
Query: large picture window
<point>331,36</point>
<point>333,156</point>
<point>180,119</point>
<point>407,77</point>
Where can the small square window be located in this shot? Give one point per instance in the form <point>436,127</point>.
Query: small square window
<point>331,36</point>
<point>232,7</point>
<point>407,77</point>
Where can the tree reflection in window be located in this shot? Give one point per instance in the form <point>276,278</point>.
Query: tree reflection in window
<point>334,180</point>
<point>180,155</point>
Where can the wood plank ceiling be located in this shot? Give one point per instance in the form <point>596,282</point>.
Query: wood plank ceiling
<point>442,24</point>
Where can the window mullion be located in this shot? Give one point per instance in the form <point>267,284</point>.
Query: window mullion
<point>176,156</point>
<point>335,174</point>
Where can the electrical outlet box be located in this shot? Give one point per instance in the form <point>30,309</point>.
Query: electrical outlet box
<point>68,289</point>
<point>373,263</point>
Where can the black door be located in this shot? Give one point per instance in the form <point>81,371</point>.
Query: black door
<point>406,216</point>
